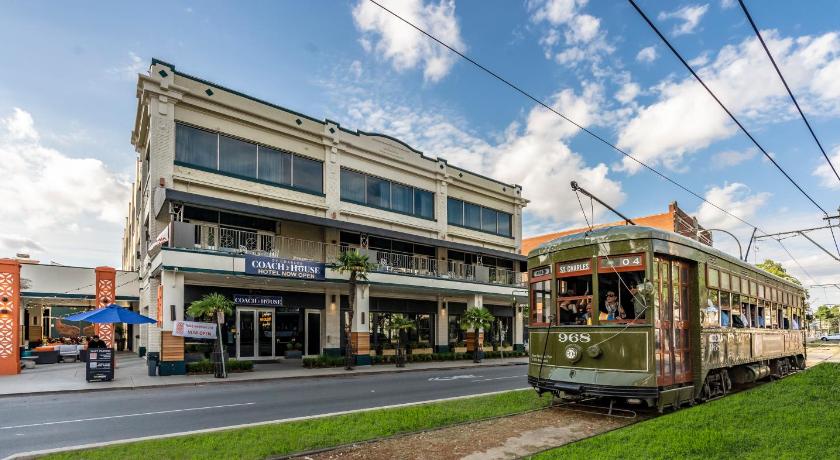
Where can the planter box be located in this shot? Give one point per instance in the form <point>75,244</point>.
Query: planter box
<point>389,352</point>
<point>294,354</point>
<point>506,348</point>
<point>459,349</point>
<point>421,351</point>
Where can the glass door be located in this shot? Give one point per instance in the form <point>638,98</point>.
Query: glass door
<point>256,333</point>
<point>313,332</point>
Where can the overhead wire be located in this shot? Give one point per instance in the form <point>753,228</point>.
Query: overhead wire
<point>722,106</point>
<point>569,120</point>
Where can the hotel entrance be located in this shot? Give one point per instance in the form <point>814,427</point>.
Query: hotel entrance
<point>255,339</point>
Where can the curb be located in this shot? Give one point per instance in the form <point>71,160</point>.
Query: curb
<point>256,380</point>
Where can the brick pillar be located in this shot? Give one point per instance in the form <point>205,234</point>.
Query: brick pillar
<point>106,294</point>
<point>9,317</point>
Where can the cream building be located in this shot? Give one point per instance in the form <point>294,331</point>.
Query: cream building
<point>252,200</point>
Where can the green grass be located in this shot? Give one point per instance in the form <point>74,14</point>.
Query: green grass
<point>797,417</point>
<point>285,438</point>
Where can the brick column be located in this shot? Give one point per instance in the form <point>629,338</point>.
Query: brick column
<point>9,317</point>
<point>106,294</point>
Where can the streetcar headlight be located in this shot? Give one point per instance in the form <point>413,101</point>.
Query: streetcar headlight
<point>573,353</point>
<point>593,351</point>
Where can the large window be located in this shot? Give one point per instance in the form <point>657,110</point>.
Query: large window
<point>541,302</point>
<point>469,215</point>
<point>203,149</point>
<point>381,193</point>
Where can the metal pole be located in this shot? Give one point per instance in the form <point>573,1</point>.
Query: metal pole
<point>749,245</point>
<point>577,188</point>
<point>818,245</point>
<point>740,251</point>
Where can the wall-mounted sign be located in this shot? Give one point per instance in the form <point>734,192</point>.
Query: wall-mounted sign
<point>258,300</point>
<point>284,268</point>
<point>622,261</point>
<point>542,271</point>
<point>194,329</point>
<point>572,267</point>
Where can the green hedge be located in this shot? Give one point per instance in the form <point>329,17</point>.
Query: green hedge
<point>338,361</point>
<point>232,365</point>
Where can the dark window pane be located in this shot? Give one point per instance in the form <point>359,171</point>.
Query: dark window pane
<point>424,204</point>
<point>504,224</point>
<point>239,220</point>
<point>352,186</point>
<point>402,197</point>
<point>206,215</point>
<point>378,192</point>
<point>237,157</point>
<point>275,166</point>
<point>472,215</point>
<point>195,146</point>
<point>307,174</point>
<point>455,211</point>
<point>488,220</point>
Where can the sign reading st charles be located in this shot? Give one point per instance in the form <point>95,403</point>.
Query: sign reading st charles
<point>284,268</point>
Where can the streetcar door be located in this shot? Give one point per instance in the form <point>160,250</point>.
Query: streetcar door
<point>672,279</point>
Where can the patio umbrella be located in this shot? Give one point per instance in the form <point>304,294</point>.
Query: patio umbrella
<point>111,314</point>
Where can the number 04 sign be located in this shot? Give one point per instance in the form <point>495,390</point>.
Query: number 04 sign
<point>622,262</point>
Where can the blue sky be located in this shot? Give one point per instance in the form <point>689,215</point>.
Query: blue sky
<point>67,100</point>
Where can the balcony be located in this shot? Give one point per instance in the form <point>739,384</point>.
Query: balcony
<point>235,241</point>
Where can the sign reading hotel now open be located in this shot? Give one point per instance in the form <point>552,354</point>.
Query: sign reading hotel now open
<point>284,268</point>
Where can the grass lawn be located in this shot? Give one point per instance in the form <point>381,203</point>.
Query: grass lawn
<point>796,417</point>
<point>285,438</point>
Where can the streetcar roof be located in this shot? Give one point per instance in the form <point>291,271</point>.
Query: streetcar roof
<point>633,232</point>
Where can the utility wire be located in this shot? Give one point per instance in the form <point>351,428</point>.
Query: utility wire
<point>587,131</point>
<point>787,87</point>
<point>700,80</point>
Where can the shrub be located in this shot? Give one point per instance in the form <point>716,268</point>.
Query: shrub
<point>232,365</point>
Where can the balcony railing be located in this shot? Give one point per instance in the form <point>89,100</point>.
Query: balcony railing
<point>215,238</point>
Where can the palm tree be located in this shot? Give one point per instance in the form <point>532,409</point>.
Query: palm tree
<point>358,266</point>
<point>477,319</point>
<point>214,307</point>
<point>399,324</point>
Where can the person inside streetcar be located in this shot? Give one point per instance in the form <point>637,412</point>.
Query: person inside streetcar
<point>613,308</point>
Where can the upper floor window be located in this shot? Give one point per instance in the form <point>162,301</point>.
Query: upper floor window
<point>199,148</point>
<point>469,215</point>
<point>381,193</point>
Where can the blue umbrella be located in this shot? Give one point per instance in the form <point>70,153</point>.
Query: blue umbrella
<point>111,314</point>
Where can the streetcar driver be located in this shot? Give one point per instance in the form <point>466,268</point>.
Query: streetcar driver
<point>638,301</point>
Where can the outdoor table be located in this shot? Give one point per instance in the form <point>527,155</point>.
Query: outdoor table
<point>28,361</point>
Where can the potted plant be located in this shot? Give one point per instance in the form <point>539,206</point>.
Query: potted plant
<point>402,325</point>
<point>388,349</point>
<point>119,333</point>
<point>214,306</point>
<point>477,320</point>
<point>294,350</point>
<point>421,348</point>
<point>460,347</point>
<point>358,266</point>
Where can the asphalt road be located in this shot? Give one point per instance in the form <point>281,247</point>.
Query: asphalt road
<point>33,423</point>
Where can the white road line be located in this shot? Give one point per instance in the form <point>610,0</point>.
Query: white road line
<point>247,425</point>
<point>124,416</point>
<point>500,378</point>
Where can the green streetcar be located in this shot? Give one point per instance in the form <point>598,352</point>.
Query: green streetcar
<point>652,317</point>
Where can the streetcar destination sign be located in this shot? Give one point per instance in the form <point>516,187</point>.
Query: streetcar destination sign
<point>573,267</point>
<point>284,268</point>
<point>542,271</point>
<point>622,261</point>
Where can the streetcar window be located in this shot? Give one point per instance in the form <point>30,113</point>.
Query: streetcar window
<point>626,302</point>
<point>574,300</point>
<point>736,284</point>
<point>714,276</point>
<point>711,314</point>
<point>540,302</point>
<point>725,309</point>
<point>724,280</point>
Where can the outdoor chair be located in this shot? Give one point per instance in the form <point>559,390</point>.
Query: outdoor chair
<point>47,357</point>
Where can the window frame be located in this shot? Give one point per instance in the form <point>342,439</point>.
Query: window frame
<point>414,190</point>
<point>463,221</point>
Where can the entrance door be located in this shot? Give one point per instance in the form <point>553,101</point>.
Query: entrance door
<point>673,359</point>
<point>256,333</point>
<point>313,332</point>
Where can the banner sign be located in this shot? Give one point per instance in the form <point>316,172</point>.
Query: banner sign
<point>100,365</point>
<point>284,268</point>
<point>194,329</point>
<point>258,300</point>
<point>573,267</point>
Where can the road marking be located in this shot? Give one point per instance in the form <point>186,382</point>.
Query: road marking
<point>124,416</point>
<point>500,378</point>
<point>453,377</point>
<point>248,425</point>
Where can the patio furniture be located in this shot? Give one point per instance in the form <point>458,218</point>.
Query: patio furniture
<point>28,361</point>
<point>47,357</point>
<point>68,353</point>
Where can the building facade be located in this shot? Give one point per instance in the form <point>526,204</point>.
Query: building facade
<point>245,198</point>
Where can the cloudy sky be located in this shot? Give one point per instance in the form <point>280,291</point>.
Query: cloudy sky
<point>67,99</point>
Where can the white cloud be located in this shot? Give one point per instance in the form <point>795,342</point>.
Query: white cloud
<point>404,47</point>
<point>647,54</point>
<point>728,158</point>
<point>689,15</point>
<point>356,68</point>
<point>824,172</point>
<point>737,199</point>
<point>726,4</point>
<point>628,92</point>
<point>584,39</point>
<point>17,243</point>
<point>582,29</point>
<point>685,118</point>
<point>47,194</point>
<point>130,70</point>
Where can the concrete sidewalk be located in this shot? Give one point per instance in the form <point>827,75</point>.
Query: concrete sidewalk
<point>132,373</point>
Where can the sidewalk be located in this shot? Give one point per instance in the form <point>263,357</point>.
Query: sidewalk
<point>132,373</point>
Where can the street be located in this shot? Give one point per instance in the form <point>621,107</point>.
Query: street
<point>42,422</point>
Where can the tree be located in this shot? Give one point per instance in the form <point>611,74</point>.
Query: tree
<point>400,324</point>
<point>214,307</point>
<point>477,319</point>
<point>358,266</point>
<point>775,268</point>
<point>830,314</point>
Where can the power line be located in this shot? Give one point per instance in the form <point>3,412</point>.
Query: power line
<point>700,80</point>
<point>587,131</point>
<point>787,87</point>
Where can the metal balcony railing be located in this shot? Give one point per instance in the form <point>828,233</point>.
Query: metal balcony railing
<point>216,238</point>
